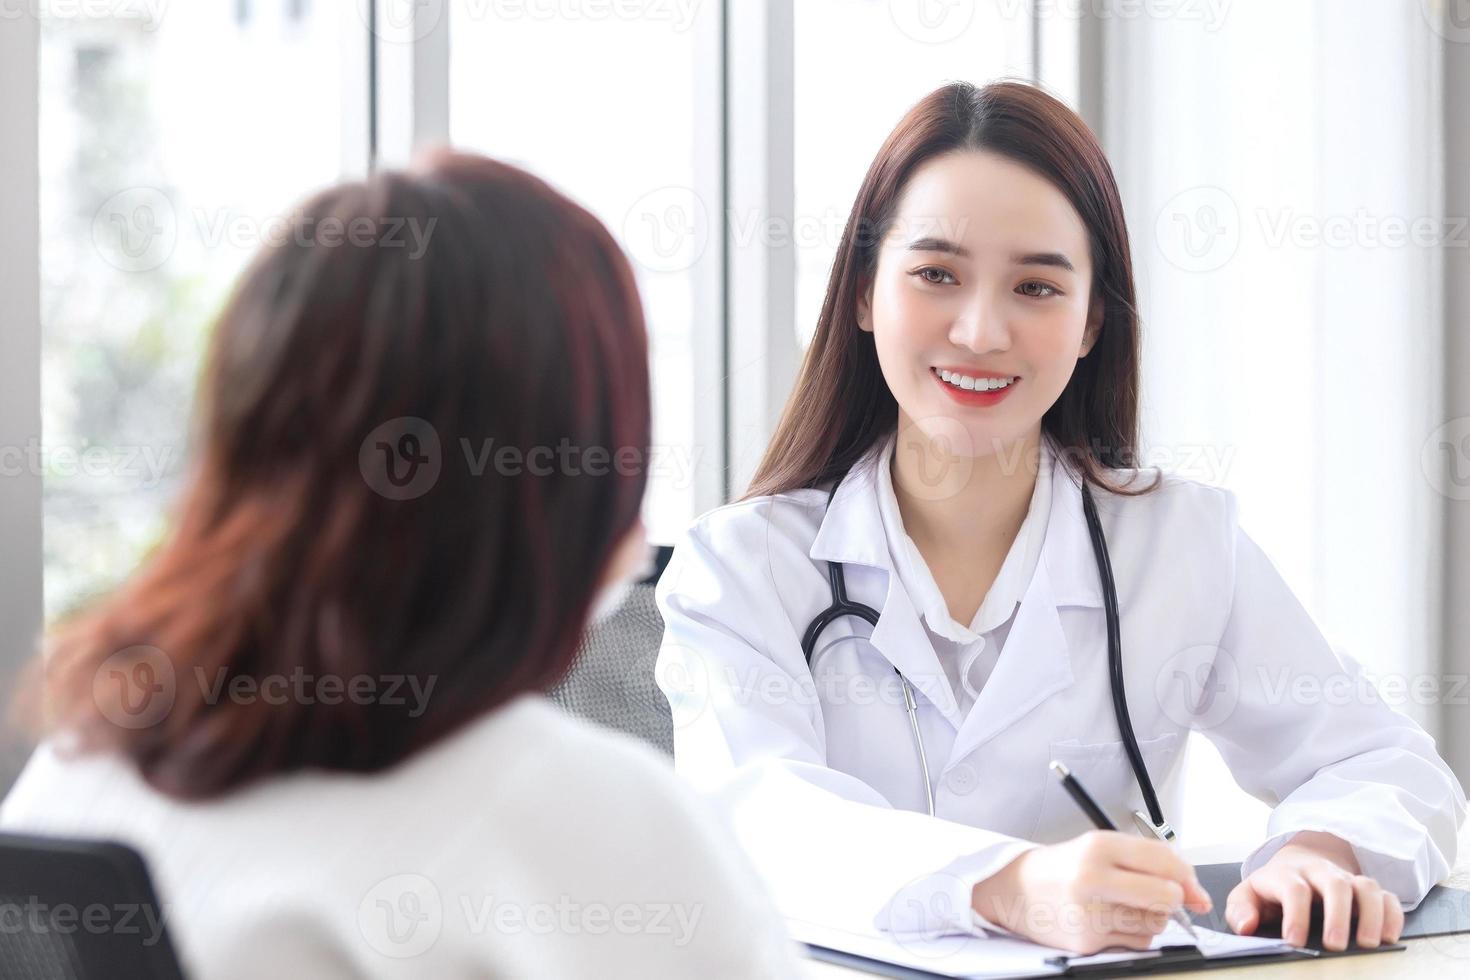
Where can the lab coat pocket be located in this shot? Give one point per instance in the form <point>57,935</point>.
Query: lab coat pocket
<point>1101,767</point>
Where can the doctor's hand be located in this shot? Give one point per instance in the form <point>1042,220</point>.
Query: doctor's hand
<point>1313,867</point>
<point>1099,889</point>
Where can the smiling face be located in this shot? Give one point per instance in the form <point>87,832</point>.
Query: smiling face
<point>983,281</point>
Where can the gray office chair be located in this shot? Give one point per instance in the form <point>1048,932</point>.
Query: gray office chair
<point>611,682</point>
<point>79,910</point>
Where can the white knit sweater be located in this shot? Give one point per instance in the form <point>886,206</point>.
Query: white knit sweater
<point>529,844</point>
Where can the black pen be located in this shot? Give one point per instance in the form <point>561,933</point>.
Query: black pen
<point>1100,820</point>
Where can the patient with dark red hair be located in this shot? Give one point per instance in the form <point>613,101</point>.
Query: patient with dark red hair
<point>315,707</point>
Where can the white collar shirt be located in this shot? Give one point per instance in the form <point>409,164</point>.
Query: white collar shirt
<point>967,653</point>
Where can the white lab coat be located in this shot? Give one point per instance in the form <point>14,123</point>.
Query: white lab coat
<point>826,793</point>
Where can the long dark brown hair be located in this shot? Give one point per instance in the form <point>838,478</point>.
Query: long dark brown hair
<point>841,404</point>
<point>509,321</point>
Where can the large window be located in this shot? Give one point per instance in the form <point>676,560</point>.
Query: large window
<point>859,66</point>
<point>158,185</point>
<point>600,100</point>
<point>170,135</point>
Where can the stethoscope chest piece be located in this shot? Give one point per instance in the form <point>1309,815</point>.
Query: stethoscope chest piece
<point>1148,828</point>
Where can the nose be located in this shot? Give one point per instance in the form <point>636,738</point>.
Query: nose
<point>981,326</point>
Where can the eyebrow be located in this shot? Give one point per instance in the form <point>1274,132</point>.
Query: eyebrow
<point>1053,259</point>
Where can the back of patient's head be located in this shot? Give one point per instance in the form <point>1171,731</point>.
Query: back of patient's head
<point>413,462</point>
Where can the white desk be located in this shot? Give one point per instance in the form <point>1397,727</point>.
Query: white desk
<point>1445,957</point>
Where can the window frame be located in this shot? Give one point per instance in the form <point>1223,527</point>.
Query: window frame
<point>20,352</point>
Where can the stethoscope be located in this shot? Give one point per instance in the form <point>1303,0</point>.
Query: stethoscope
<point>1152,823</point>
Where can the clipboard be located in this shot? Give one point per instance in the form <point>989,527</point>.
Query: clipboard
<point>1444,911</point>
<point>1188,958</point>
<point>1168,959</point>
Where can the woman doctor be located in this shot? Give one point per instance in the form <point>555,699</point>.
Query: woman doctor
<point>975,366</point>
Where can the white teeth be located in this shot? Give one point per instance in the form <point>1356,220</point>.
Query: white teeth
<point>974,384</point>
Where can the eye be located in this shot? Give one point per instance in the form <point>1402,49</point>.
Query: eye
<point>1041,290</point>
<point>935,275</point>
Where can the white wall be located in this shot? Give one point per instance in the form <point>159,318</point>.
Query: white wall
<point>1269,158</point>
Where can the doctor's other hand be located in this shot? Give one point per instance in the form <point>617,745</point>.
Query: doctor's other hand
<point>1100,889</point>
<point>1312,867</point>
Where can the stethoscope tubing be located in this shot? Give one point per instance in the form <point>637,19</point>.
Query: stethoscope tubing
<point>843,606</point>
